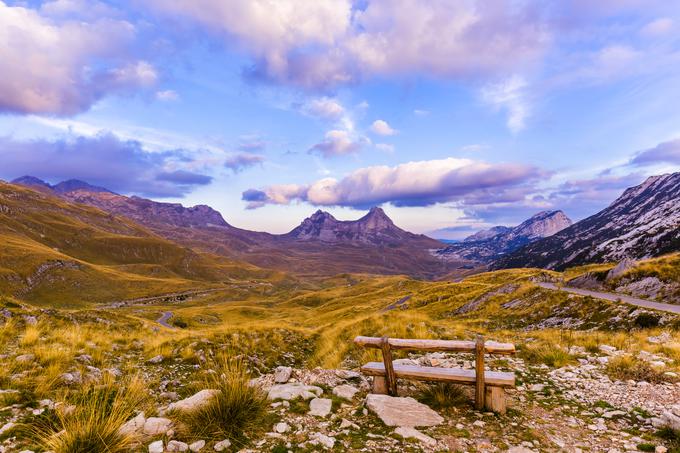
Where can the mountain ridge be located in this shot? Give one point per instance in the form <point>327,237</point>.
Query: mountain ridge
<point>643,222</point>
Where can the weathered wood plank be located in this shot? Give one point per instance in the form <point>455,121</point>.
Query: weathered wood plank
<point>479,373</point>
<point>496,400</point>
<point>457,375</point>
<point>490,347</point>
<point>389,367</point>
<point>379,385</point>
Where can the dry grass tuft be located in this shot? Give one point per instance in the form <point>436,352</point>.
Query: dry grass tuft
<point>443,395</point>
<point>237,411</point>
<point>625,368</point>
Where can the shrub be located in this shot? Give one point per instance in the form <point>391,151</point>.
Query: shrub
<point>550,355</point>
<point>236,411</point>
<point>92,423</point>
<point>443,395</point>
<point>624,368</point>
<point>646,320</point>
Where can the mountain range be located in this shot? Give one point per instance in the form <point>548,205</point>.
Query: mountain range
<point>320,245</point>
<point>488,245</point>
<point>643,222</point>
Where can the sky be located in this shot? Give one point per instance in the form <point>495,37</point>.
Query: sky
<point>453,115</point>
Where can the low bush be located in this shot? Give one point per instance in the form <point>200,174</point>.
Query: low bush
<point>236,412</point>
<point>625,368</point>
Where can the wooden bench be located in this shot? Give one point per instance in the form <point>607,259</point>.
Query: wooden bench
<point>489,385</point>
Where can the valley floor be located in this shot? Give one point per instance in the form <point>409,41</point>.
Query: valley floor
<point>592,375</point>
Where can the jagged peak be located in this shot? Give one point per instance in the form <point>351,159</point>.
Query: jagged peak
<point>320,215</point>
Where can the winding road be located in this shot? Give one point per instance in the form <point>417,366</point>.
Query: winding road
<point>615,297</point>
<point>163,320</point>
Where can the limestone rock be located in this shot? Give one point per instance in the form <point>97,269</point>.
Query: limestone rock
<point>155,426</point>
<point>399,411</point>
<point>156,359</point>
<point>345,391</point>
<point>133,426</point>
<point>620,268</point>
<point>282,374</point>
<point>25,358</point>
<point>194,402</point>
<point>294,390</point>
<point>281,427</point>
<point>197,446</point>
<point>156,447</point>
<point>412,433</point>
<point>222,445</point>
<point>322,440</point>
<point>320,407</point>
<point>176,446</point>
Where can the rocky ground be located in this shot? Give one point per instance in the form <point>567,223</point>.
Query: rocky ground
<point>573,408</point>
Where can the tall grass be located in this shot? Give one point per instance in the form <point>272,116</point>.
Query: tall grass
<point>91,425</point>
<point>237,411</point>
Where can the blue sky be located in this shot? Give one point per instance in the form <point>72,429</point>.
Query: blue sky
<point>452,115</point>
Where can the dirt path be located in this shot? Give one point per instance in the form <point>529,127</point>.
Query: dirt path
<point>163,320</point>
<point>615,297</point>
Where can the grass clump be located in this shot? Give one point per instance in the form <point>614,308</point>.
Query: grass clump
<point>672,437</point>
<point>443,395</point>
<point>235,412</point>
<point>625,368</point>
<point>91,418</point>
<point>550,355</point>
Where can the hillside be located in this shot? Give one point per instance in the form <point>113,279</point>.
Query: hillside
<point>643,222</point>
<point>320,246</point>
<point>59,253</point>
<point>488,245</point>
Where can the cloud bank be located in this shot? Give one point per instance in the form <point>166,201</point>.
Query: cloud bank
<point>103,160</point>
<point>56,65</point>
<point>420,183</point>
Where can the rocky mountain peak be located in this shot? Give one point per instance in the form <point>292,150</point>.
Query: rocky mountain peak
<point>31,181</point>
<point>73,185</point>
<point>543,224</point>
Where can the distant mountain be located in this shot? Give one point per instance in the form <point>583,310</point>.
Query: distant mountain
<point>72,185</point>
<point>321,245</point>
<point>643,222</point>
<point>488,245</point>
<point>374,228</point>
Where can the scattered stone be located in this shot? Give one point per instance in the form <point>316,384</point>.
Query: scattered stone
<point>175,446</point>
<point>660,449</point>
<point>293,391</point>
<point>537,388</point>
<point>156,447</point>
<point>609,350</point>
<point>194,402</point>
<point>157,359</point>
<point>84,358</point>
<point>71,378</point>
<point>222,445</point>
<point>25,358</point>
<point>479,424</point>
<point>346,424</point>
<point>345,391</point>
<point>520,449</point>
<point>412,433</point>
<point>197,446</point>
<point>155,426</point>
<point>282,374</point>
<point>400,411</point>
<point>620,269</point>
<point>6,427</point>
<point>322,440</point>
<point>133,426</point>
<point>281,427</point>
<point>665,337</point>
<point>320,407</point>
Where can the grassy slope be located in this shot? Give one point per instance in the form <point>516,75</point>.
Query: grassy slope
<point>61,254</point>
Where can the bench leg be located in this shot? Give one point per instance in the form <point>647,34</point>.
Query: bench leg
<point>379,385</point>
<point>496,400</point>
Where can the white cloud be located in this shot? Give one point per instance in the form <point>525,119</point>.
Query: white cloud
<point>240,162</point>
<point>63,66</point>
<point>420,183</point>
<point>325,108</point>
<point>385,148</point>
<point>421,112</point>
<point>338,143</point>
<point>381,127</point>
<point>658,27</point>
<point>167,95</point>
<point>509,95</point>
<point>315,43</point>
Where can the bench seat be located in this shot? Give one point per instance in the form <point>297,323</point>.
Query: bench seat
<point>457,375</point>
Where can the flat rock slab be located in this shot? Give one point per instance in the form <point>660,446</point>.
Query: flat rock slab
<point>399,411</point>
<point>412,433</point>
<point>345,391</point>
<point>320,407</point>
<point>194,402</point>
<point>293,391</point>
